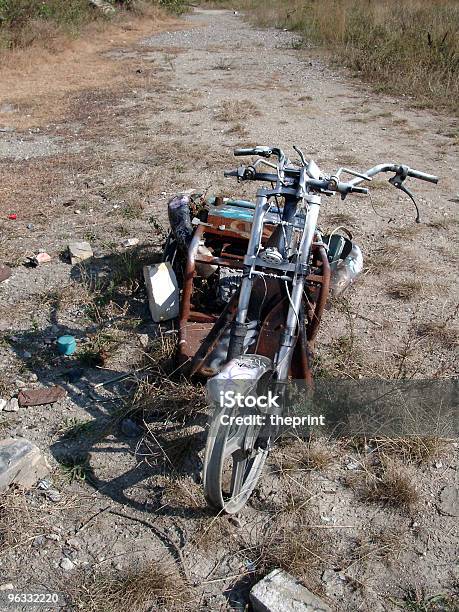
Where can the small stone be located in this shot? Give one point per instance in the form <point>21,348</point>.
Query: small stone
<point>67,565</point>
<point>3,403</point>
<point>33,377</point>
<point>438,464</point>
<point>41,258</point>
<point>12,405</point>
<point>144,340</point>
<point>55,537</point>
<point>39,541</point>
<point>30,226</point>
<point>7,586</point>
<point>44,484</point>
<point>130,242</point>
<point>74,543</point>
<point>77,211</point>
<point>352,466</point>
<point>20,384</point>
<point>53,495</point>
<point>79,251</point>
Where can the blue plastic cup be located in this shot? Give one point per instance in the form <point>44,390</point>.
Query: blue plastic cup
<point>66,345</point>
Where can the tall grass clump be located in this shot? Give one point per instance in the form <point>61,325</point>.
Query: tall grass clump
<point>409,47</point>
<point>27,22</point>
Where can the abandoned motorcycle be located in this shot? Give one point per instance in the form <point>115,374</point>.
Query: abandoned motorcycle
<point>249,282</point>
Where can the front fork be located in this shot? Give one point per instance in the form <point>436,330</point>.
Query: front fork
<point>239,329</point>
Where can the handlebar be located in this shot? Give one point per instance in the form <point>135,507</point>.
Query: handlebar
<point>326,185</point>
<point>430,178</point>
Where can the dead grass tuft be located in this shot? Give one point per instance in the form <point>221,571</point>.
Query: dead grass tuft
<point>405,290</point>
<point>388,482</point>
<point>16,521</point>
<point>156,586</point>
<point>237,111</point>
<point>300,549</point>
<point>415,449</point>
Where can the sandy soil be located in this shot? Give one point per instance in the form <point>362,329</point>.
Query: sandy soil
<point>97,159</point>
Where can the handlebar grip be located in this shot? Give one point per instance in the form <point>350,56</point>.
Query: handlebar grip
<point>242,152</point>
<point>358,190</point>
<point>430,178</point>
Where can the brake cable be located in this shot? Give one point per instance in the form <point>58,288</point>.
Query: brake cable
<point>397,182</point>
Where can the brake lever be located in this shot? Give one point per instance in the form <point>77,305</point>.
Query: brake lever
<point>397,182</point>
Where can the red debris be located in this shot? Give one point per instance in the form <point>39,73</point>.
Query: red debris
<point>13,216</point>
<point>37,397</point>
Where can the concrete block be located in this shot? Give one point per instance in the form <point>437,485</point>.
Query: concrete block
<point>281,592</point>
<point>21,463</point>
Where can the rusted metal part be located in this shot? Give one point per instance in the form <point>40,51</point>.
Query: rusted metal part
<point>202,317</point>
<point>190,271</point>
<point>322,298</point>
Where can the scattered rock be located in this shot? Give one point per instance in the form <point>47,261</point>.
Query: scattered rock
<point>33,377</point>
<point>38,397</point>
<point>21,463</point>
<point>55,537</point>
<point>7,586</point>
<point>53,495</point>
<point>7,129</point>
<point>5,273</point>
<point>79,251</point>
<point>130,242</point>
<point>449,500</point>
<point>11,405</point>
<point>41,258</point>
<point>144,340</point>
<point>3,403</point>
<point>73,543</point>
<point>130,428</point>
<point>39,541</point>
<point>281,592</point>
<point>67,565</point>
<point>20,384</point>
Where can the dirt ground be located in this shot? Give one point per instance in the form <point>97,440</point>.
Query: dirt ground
<point>91,149</point>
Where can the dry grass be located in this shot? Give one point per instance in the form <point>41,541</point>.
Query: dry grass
<point>388,482</point>
<point>313,454</point>
<point>408,48</point>
<point>44,81</point>
<point>300,548</point>
<point>156,586</point>
<point>18,522</point>
<point>237,111</point>
<point>415,449</point>
<point>404,290</point>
